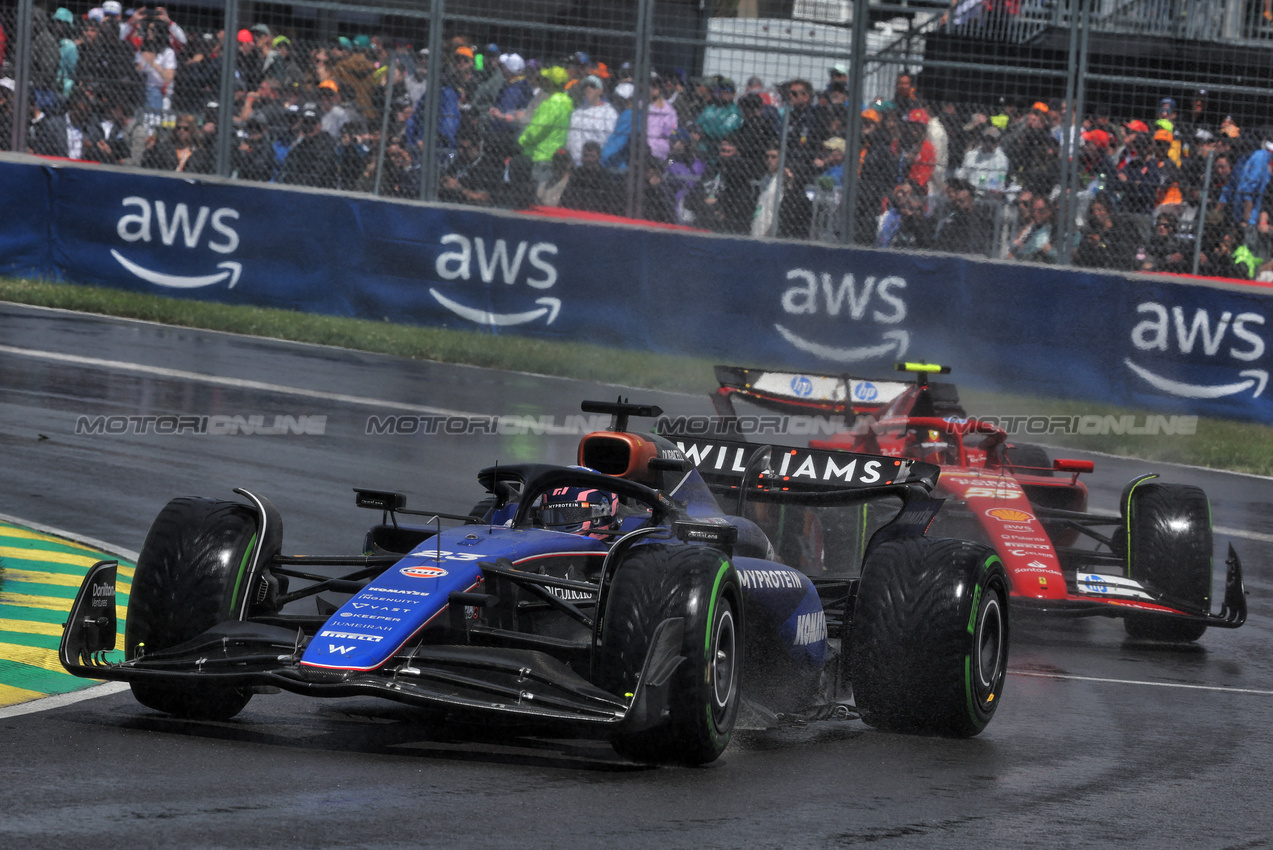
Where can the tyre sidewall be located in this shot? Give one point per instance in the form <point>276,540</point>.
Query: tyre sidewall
<point>700,586</point>
<point>925,611</point>
<point>1169,542</point>
<point>191,573</point>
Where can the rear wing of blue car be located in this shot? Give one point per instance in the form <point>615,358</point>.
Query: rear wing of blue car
<point>731,465</point>
<point>743,472</point>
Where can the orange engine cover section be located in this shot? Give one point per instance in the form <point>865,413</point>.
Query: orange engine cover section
<point>620,454</point>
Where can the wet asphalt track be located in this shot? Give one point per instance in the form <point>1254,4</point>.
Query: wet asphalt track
<point>1099,742</point>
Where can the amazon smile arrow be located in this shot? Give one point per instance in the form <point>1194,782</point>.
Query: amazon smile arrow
<point>232,271</point>
<point>551,306</point>
<point>1257,378</point>
<point>896,340</point>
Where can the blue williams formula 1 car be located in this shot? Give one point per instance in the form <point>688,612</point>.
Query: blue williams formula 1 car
<point>615,599</point>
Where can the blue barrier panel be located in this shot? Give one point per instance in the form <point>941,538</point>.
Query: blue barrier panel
<point>1163,344</point>
<point>211,241</point>
<point>26,213</point>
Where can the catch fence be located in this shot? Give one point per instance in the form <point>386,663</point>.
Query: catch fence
<point>1123,134</point>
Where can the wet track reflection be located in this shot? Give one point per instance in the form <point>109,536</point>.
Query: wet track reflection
<point>1099,739</point>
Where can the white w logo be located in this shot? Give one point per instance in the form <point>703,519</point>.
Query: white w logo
<point>343,650</point>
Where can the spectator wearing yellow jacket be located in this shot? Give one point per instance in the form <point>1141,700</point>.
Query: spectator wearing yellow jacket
<point>549,125</point>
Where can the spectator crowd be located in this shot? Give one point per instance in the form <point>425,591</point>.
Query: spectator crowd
<point>134,87</point>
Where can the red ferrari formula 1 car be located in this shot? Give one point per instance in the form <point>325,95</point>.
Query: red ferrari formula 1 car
<point>1151,565</point>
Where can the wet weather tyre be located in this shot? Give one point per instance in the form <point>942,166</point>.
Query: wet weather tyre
<point>483,507</point>
<point>699,585</point>
<point>930,635</point>
<point>191,575</point>
<point>1169,546</point>
<point>1033,458</point>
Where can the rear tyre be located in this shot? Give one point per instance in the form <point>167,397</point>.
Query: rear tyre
<point>929,649</point>
<point>191,574</point>
<point>1169,549</point>
<point>1034,458</point>
<point>701,586</point>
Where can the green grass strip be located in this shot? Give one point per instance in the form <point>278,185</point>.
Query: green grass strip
<point>1221,444</point>
<point>517,353</point>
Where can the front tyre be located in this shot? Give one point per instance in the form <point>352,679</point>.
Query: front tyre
<point>1169,547</point>
<point>699,585</point>
<point>192,573</point>
<point>929,651</point>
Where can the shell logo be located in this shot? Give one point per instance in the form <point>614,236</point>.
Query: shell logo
<point>1009,515</point>
<point>423,572</point>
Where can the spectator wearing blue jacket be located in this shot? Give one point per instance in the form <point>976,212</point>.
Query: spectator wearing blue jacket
<point>614,153</point>
<point>507,116</point>
<point>1253,179</point>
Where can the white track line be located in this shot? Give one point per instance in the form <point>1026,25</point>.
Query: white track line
<point>237,383</point>
<point>108,548</point>
<point>1060,451</point>
<point>1249,535</point>
<point>62,700</point>
<point>1255,691</point>
<point>301,344</point>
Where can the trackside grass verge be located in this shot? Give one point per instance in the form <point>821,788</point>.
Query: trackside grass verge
<point>1221,444</point>
<point>516,353</point>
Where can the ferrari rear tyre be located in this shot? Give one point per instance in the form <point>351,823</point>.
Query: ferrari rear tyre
<point>929,640</point>
<point>1033,458</point>
<point>1169,550</point>
<point>699,585</point>
<point>191,574</point>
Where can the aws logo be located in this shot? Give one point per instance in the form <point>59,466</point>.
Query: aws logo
<point>179,226</point>
<point>524,263</point>
<point>868,304</point>
<point>1228,340</point>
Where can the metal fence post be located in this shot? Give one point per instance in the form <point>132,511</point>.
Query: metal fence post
<point>384,125</point>
<point>22,78</point>
<point>1070,123</point>
<point>640,103</point>
<point>225,109</point>
<point>1076,99</point>
<point>432,103</point>
<point>857,100</point>
<point>1201,225</point>
<point>780,175</point>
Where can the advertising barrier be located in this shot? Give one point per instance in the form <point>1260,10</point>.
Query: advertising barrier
<point>1166,344</point>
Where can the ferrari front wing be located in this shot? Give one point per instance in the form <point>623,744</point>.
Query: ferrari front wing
<point>1095,593</point>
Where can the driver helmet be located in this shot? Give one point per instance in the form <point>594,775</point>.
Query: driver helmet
<point>579,510</point>
<point>935,447</point>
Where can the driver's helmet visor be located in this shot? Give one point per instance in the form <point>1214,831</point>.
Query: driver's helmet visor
<point>572,514</point>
